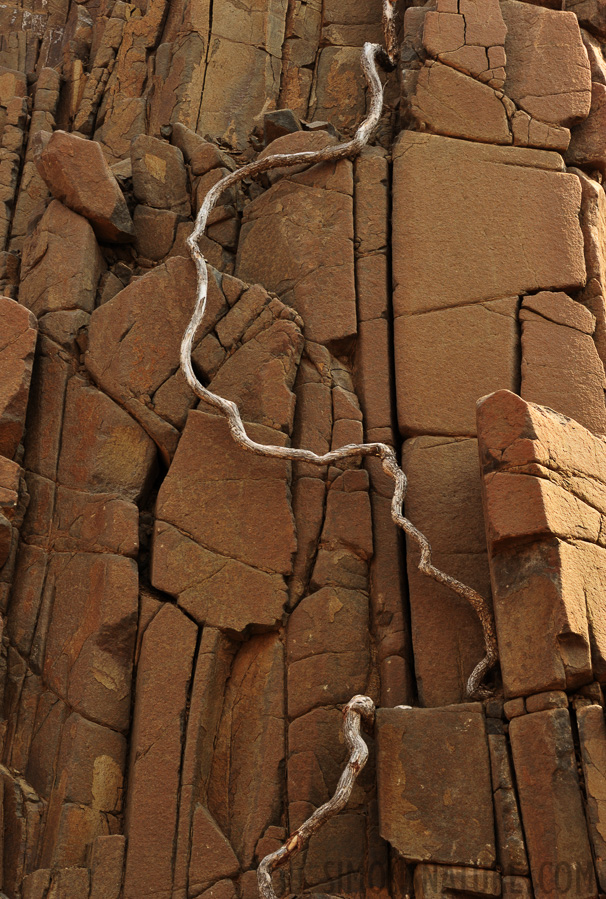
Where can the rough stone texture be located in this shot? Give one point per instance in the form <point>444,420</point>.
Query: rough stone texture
<point>548,784</point>
<point>77,173</point>
<point>61,263</point>
<point>548,71</point>
<point>587,143</point>
<point>561,367</point>
<point>246,517</point>
<point>444,500</point>
<point>425,758</point>
<point>592,737</point>
<point>17,344</point>
<point>534,243</point>
<point>423,405</point>
<point>433,882</point>
<point>162,687</point>
<point>542,482</point>
<point>159,176</point>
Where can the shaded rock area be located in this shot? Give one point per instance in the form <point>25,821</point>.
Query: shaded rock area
<point>182,622</point>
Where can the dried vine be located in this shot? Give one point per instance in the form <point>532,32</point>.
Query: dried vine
<point>386,454</point>
<point>360,708</point>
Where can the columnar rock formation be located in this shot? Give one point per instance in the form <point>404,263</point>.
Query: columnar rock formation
<point>182,621</point>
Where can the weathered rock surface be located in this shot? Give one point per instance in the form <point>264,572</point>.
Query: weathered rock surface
<point>548,784</point>
<point>425,759</point>
<point>592,737</point>
<point>77,173</point>
<point>17,344</point>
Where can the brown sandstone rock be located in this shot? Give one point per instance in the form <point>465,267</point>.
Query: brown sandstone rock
<point>106,866</point>
<point>331,617</point>
<point>426,760</point>
<point>17,344</point>
<point>592,737</point>
<point>448,102</point>
<point>212,856</point>
<point>548,71</point>
<point>77,173</point>
<point>91,636</point>
<point>423,405</point>
<point>229,501</point>
<point>591,14</point>
<point>244,786</point>
<point>154,231</point>
<point>95,522</point>
<point>561,369</point>
<point>437,223</point>
<point>148,313</point>
<point>309,229</point>
<point>339,94</point>
<point>444,501</point>
<point>61,263</point>
<point>552,808</point>
<point>159,175</point>
<point>215,590</point>
<point>587,142</point>
<point>103,449</point>
<point>435,882</point>
<point>163,677</point>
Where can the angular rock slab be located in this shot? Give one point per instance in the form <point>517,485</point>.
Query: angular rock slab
<point>552,808</point>
<point>427,760</point>
<point>229,501</point>
<point>435,882</point>
<point>592,739</point>
<point>544,491</point>
<point>472,222</point>
<point>77,173</point>
<point>18,334</point>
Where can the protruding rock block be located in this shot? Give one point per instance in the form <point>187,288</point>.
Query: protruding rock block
<point>552,808</point>
<point>544,485</point>
<point>77,173</point>
<point>427,758</point>
<point>17,344</point>
<point>592,740</point>
<point>159,174</point>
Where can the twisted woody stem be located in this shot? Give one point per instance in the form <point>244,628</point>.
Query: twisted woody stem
<point>360,707</point>
<point>385,453</point>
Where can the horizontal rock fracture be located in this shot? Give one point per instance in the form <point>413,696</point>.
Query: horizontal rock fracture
<point>371,55</point>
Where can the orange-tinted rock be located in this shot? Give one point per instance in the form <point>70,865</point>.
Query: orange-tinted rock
<point>592,738</point>
<point>548,72</point>
<point>17,344</point>
<point>547,484</point>
<point>511,849</point>
<point>339,96</point>
<point>424,407</point>
<point>309,229</point>
<point>591,14</point>
<point>77,173</point>
<point>448,102</point>
<point>588,138</point>
<point>148,313</point>
<point>529,132</point>
<point>159,175</point>
<point>259,376</point>
<point>95,523</point>
<point>231,502</point>
<point>106,866</point>
<point>434,882</point>
<point>103,449</point>
<point>212,857</point>
<point>469,38</point>
<point>552,808</point>
<point>61,263</point>
<point>154,231</point>
<point>426,759</point>
<point>163,677</point>
<point>215,590</point>
<point>534,243</point>
<point>91,637</point>
<point>561,369</point>
<point>332,617</point>
<point>45,409</point>
<point>91,762</point>
<point>245,786</point>
<point>444,502</point>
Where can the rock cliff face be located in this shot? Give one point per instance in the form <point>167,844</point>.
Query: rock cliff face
<point>182,621</point>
